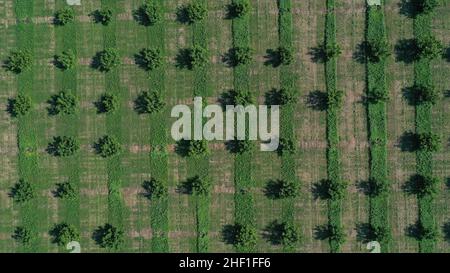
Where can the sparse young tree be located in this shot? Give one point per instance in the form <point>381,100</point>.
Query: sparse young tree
<point>245,237</point>
<point>22,192</point>
<point>425,93</point>
<point>283,96</point>
<point>241,97</point>
<point>331,51</point>
<point>380,233</point>
<point>378,187</point>
<point>241,56</point>
<point>280,189</point>
<point>63,146</point>
<point>286,146</point>
<point>155,188</point>
<point>20,106</point>
<point>110,237</point>
<point>290,234</point>
<point>66,60</point>
<point>286,55</point>
<point>19,61</point>
<point>150,58</point>
<point>64,103</point>
<point>197,148</point>
<point>64,233</point>
<point>108,103</point>
<point>108,146</point>
<point>427,233</point>
<point>199,186</point>
<point>426,185</point>
<point>239,8</point>
<point>150,103</point>
<point>104,16</point>
<point>241,146</point>
<point>150,13</point>
<point>22,235</point>
<point>107,59</point>
<point>66,191</point>
<point>64,16</point>
<point>378,94</point>
<point>429,47</point>
<point>429,142</point>
<point>198,56</point>
<point>336,189</point>
<point>336,234</point>
<point>426,6</point>
<point>378,50</point>
<point>196,12</point>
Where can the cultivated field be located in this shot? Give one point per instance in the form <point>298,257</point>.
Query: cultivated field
<point>367,138</point>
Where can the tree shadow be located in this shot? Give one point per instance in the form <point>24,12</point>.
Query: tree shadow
<point>408,8</point>
<point>272,97</point>
<point>95,63</point>
<point>233,146</point>
<point>140,17</point>
<point>182,15</point>
<point>412,185</point>
<point>10,107</point>
<point>360,53</point>
<point>413,231</point>
<point>363,232</point>
<point>321,232</point>
<point>97,17</point>
<point>406,51</point>
<point>272,189</point>
<point>226,98</point>
<point>317,54</point>
<point>229,58</point>
<point>410,95</point>
<point>446,231</point>
<point>272,58</point>
<point>140,62</point>
<point>320,190</point>
<point>182,147</point>
<point>185,187</point>
<point>183,59</point>
<point>317,100</point>
<point>408,142</point>
<point>363,186</point>
<point>229,234</point>
<point>273,232</point>
<point>447,54</point>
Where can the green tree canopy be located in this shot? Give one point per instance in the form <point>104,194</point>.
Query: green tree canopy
<point>108,146</point>
<point>22,192</point>
<point>64,233</point>
<point>19,61</point>
<point>63,146</point>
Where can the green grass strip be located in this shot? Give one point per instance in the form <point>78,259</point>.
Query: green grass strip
<point>158,142</point>
<point>333,154</point>
<point>376,112</point>
<point>244,202</point>
<point>200,166</point>
<point>66,39</point>
<point>287,81</point>
<point>115,169</point>
<point>424,159</point>
<point>28,167</point>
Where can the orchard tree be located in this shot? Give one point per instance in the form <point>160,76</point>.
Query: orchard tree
<point>196,148</point>
<point>66,191</point>
<point>280,189</point>
<point>283,96</point>
<point>22,235</point>
<point>245,237</point>
<point>155,188</point>
<point>108,146</point>
<point>64,103</point>
<point>240,146</point>
<point>19,61</point>
<point>331,51</point>
<point>107,59</point>
<point>429,142</point>
<point>66,60</point>
<point>425,93</point>
<point>239,8</point>
<point>425,185</point>
<point>336,234</point>
<point>108,103</point>
<point>426,6</point>
<point>380,233</point>
<point>378,187</point>
<point>149,103</point>
<point>104,16</point>
<point>64,233</point>
<point>335,98</point>
<point>378,94</point>
<point>198,56</point>
<point>64,16</point>
<point>429,47</point>
<point>241,56</point>
<point>150,58</point>
<point>198,186</point>
<point>430,233</point>
<point>22,192</point>
<point>286,146</point>
<point>378,50</point>
<point>63,146</point>
<point>241,97</point>
<point>20,106</point>
<point>335,189</point>
<point>149,13</point>
<point>290,234</point>
<point>285,55</point>
<point>196,12</point>
<point>109,236</point>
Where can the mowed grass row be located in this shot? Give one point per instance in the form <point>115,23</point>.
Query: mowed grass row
<point>424,158</point>
<point>66,80</point>
<point>115,169</point>
<point>158,140</point>
<point>287,82</point>
<point>244,201</point>
<point>199,166</point>
<point>28,167</point>
<point>333,155</point>
<point>376,79</point>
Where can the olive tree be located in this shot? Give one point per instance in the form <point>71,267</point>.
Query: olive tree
<point>63,103</point>
<point>429,47</point>
<point>20,106</point>
<point>107,59</point>
<point>149,102</point>
<point>108,146</point>
<point>23,235</point>
<point>19,61</point>
<point>63,146</point>
<point>108,103</point>
<point>66,60</point>
<point>155,188</point>
<point>109,236</point>
<point>149,13</point>
<point>64,16</point>
<point>64,233</point>
<point>66,191</point>
<point>22,192</point>
<point>239,8</point>
<point>150,58</point>
<point>378,50</point>
<point>429,142</point>
<point>196,12</point>
<point>245,237</point>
